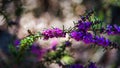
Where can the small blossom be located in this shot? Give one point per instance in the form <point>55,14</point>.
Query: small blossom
<point>17,42</point>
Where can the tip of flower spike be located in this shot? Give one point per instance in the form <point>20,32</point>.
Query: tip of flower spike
<point>113,29</point>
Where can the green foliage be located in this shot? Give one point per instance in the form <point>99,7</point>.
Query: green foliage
<point>67,60</point>
<point>13,50</point>
<point>29,40</point>
<point>52,55</point>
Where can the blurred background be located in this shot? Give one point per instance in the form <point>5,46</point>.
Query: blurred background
<point>17,16</point>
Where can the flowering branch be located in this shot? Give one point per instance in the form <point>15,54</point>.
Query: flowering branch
<point>80,32</point>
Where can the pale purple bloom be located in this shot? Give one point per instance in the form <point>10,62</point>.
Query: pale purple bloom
<point>53,44</point>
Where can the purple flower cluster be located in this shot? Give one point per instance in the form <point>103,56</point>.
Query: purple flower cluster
<point>55,32</point>
<point>81,34</point>
<point>83,25</point>
<point>113,30</point>
<point>102,41</point>
<point>77,35</point>
<point>81,31</point>
<point>89,39</point>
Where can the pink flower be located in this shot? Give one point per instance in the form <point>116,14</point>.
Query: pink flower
<point>53,44</point>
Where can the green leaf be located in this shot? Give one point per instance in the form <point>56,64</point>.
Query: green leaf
<point>52,54</point>
<point>67,60</point>
<point>13,49</point>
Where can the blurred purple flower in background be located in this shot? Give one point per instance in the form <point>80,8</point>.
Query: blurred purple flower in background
<point>17,42</point>
<point>76,66</point>
<point>39,52</point>
<point>92,65</point>
<point>68,43</point>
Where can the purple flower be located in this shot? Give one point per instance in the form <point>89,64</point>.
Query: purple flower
<point>58,32</point>
<point>92,65</point>
<point>76,66</point>
<point>83,26</point>
<point>113,30</point>
<point>53,44</point>
<point>102,41</point>
<point>88,38</point>
<point>17,42</point>
<point>84,36</point>
<point>77,35</point>
<point>68,43</point>
<point>50,33</point>
<point>109,30</point>
<point>116,29</point>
